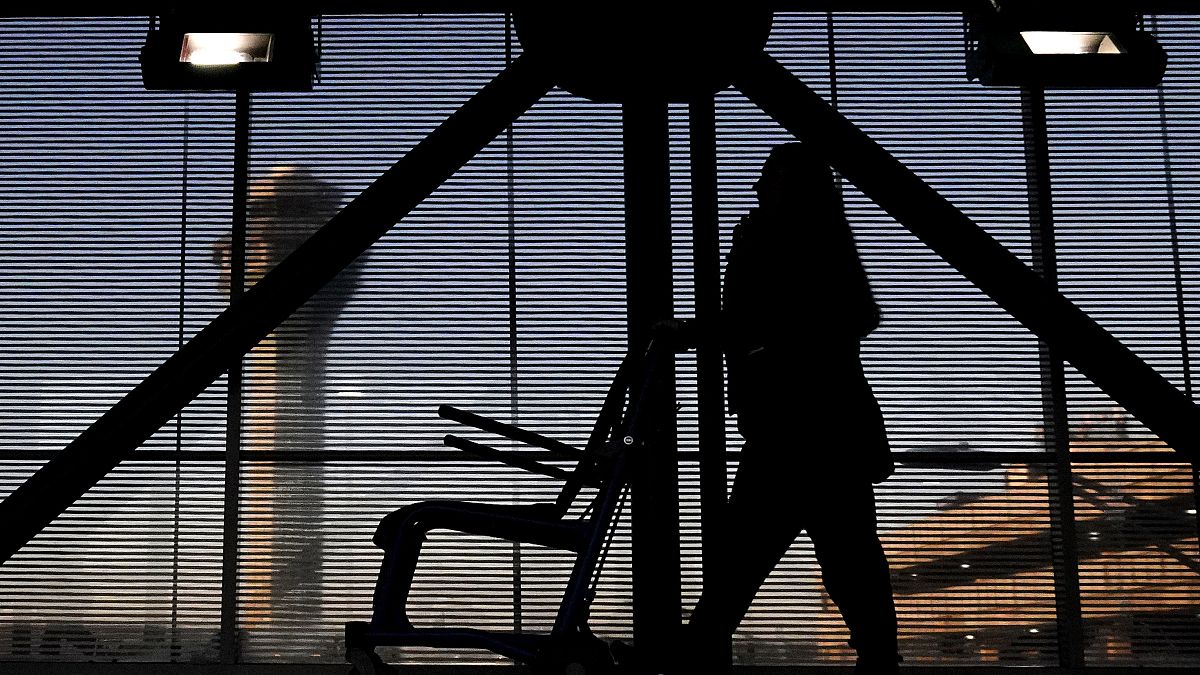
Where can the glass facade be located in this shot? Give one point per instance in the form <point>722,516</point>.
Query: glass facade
<point>1011,542</point>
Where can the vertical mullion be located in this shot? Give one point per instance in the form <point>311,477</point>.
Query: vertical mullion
<point>230,649</point>
<point>183,243</point>
<point>1057,437</point>
<point>831,47</point>
<point>710,376</point>
<point>514,412</point>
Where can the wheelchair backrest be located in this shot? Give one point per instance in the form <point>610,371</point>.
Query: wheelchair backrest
<point>621,426</point>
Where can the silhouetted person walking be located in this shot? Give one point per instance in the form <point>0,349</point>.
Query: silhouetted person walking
<point>796,304</point>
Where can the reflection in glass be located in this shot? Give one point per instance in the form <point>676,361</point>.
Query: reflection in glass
<point>284,407</point>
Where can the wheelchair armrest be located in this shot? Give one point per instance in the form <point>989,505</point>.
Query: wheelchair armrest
<point>509,431</point>
<point>516,461</point>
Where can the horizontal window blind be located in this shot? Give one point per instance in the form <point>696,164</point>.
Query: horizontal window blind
<point>425,323</point>
<point>110,199</point>
<point>504,293</point>
<point>1125,185</point>
<point>1124,182</point>
<point>1139,577</point>
<point>131,572</point>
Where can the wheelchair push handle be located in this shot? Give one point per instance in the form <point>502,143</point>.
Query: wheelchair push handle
<point>510,432</point>
<point>508,459</point>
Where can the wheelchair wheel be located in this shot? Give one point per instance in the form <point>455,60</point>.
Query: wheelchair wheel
<point>367,662</point>
<point>580,656</point>
<point>573,667</point>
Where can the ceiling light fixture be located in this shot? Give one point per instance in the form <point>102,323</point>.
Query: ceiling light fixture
<point>230,51</point>
<point>1061,45</point>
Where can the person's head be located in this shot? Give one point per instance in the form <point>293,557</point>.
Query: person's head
<point>794,177</point>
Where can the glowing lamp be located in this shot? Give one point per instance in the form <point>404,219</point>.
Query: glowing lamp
<point>207,52</point>
<point>1061,45</point>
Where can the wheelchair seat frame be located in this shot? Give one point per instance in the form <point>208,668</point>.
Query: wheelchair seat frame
<point>620,434</point>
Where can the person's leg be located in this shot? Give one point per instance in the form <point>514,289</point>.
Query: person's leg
<point>760,525</point>
<point>842,525</point>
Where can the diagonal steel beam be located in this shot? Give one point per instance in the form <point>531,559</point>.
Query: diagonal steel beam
<point>1133,384</point>
<point>235,331</point>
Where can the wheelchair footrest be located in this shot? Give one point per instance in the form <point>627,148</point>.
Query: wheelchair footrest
<point>520,646</point>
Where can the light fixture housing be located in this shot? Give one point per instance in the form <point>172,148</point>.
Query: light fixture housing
<point>1061,45</point>
<point>258,52</point>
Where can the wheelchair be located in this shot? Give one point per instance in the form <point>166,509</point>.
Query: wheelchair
<point>618,438</point>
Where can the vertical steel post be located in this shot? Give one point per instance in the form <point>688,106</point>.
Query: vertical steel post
<point>1057,434</point>
<point>230,649</point>
<point>656,581</point>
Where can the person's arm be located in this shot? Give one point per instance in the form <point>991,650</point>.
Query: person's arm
<point>866,310</point>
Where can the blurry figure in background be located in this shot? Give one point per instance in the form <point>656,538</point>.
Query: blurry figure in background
<point>796,304</point>
<point>285,406</point>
